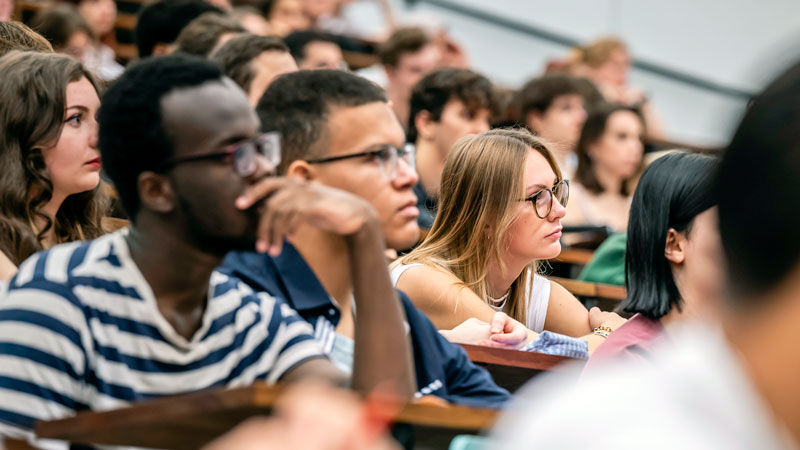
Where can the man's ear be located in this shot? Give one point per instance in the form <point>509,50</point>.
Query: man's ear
<point>675,248</point>
<point>424,123</point>
<point>300,169</point>
<point>534,120</point>
<point>155,192</point>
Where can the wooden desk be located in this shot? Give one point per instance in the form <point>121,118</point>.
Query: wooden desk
<point>510,369</point>
<point>190,421</point>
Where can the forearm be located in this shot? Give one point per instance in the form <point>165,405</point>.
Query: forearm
<point>382,349</point>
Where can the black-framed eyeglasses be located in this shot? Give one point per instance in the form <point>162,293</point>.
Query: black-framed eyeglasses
<point>243,155</point>
<point>542,201</point>
<point>388,157</point>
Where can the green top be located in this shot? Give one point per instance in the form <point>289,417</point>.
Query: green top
<point>608,263</point>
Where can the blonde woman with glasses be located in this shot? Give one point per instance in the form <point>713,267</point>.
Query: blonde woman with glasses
<point>501,205</point>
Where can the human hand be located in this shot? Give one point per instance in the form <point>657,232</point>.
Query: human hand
<point>598,318</point>
<point>288,202</point>
<point>503,332</point>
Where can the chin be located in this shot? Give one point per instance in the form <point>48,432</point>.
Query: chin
<point>403,240</point>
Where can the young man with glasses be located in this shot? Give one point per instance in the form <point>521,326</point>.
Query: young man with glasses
<point>142,313</point>
<point>338,130</point>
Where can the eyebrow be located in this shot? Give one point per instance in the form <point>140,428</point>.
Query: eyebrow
<point>81,107</point>
<point>541,186</point>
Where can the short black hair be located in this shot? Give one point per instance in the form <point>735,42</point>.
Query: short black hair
<point>758,188</point>
<point>434,90</point>
<point>202,34</point>
<point>162,22</point>
<point>539,93</point>
<point>297,105</point>
<point>671,193</point>
<point>236,55</point>
<point>132,138</point>
<point>297,41</point>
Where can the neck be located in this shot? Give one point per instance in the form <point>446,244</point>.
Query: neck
<point>399,104</point>
<point>176,270</point>
<point>429,167</point>
<point>327,256</point>
<point>498,282</point>
<point>610,182</point>
<point>761,335</point>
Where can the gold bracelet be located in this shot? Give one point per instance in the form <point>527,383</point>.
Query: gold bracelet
<point>602,328</point>
<point>601,333</point>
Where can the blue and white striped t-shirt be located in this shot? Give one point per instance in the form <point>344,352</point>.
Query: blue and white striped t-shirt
<point>80,330</point>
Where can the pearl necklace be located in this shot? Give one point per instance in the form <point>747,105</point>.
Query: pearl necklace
<point>499,301</point>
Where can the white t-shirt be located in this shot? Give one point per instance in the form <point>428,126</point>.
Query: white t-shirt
<point>537,297</point>
<point>694,395</point>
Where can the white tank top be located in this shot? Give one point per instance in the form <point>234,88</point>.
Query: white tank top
<point>537,297</point>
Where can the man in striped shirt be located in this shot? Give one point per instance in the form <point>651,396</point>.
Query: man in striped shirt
<point>142,313</point>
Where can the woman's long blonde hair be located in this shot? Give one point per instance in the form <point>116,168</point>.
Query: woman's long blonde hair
<point>482,182</point>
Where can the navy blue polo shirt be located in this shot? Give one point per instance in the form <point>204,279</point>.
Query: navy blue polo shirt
<point>442,368</point>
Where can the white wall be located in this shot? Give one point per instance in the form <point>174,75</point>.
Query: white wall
<point>736,43</point>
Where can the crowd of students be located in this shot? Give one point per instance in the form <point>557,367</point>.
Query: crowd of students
<point>239,207</point>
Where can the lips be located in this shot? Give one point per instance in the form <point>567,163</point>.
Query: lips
<point>409,209</point>
<point>555,233</point>
<point>94,162</point>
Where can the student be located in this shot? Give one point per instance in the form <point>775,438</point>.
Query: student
<point>446,105</point>
<point>65,29</point>
<point>500,210</point>
<point>141,313</point>
<point>159,24</point>
<point>315,50</point>
<point>339,131</point>
<point>206,32</point>
<point>553,107</point>
<point>607,62</point>
<point>48,151</point>
<point>18,36</point>
<point>407,56</point>
<point>253,62</point>
<point>673,255</point>
<point>729,388</point>
<point>99,57</point>
<point>284,16</point>
<point>610,155</point>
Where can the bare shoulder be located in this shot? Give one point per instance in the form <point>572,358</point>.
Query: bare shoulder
<point>424,280</point>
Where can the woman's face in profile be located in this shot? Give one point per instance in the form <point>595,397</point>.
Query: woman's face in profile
<point>701,280</point>
<point>73,163</point>
<point>529,237</point>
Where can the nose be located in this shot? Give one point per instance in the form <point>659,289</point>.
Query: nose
<point>406,175</point>
<point>93,135</point>
<point>479,126</point>
<point>558,211</point>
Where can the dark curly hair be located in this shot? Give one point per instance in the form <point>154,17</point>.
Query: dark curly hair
<point>32,104</point>
<point>132,138</point>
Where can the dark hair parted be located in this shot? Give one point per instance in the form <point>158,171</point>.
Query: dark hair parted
<point>758,188</point>
<point>593,130</point>
<point>132,137</point>
<point>202,34</point>
<point>402,41</point>
<point>236,56</point>
<point>297,105</point>
<point>161,22</point>
<point>297,41</point>
<point>32,104</point>
<point>671,193</point>
<point>539,93</point>
<point>58,23</point>
<point>18,36</point>
<point>434,90</point>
